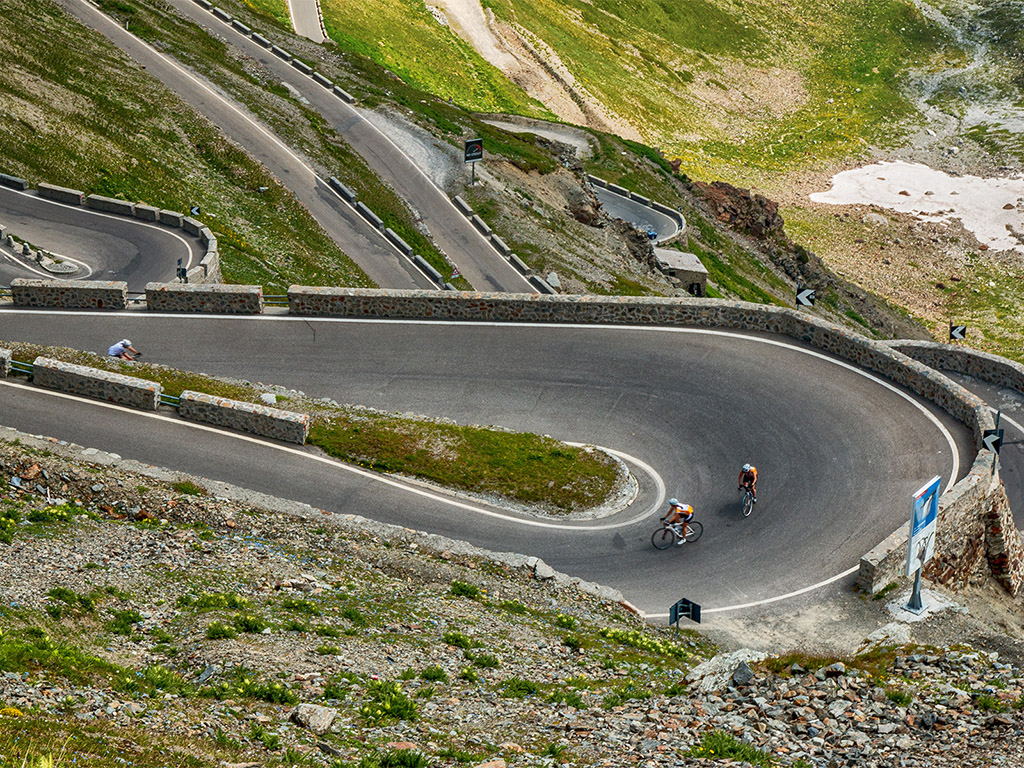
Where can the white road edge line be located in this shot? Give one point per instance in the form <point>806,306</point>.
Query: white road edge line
<point>768,600</point>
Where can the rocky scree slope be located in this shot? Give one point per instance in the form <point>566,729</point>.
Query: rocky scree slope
<point>163,612</point>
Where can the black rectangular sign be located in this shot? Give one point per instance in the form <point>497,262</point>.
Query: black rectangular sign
<point>474,150</point>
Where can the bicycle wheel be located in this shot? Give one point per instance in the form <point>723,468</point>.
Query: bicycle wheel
<point>748,504</point>
<point>664,537</point>
<point>693,530</point>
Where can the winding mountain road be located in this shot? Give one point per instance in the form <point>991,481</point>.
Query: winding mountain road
<point>840,452</point>
<point>107,246</point>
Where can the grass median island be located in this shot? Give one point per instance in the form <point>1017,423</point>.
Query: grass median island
<point>523,468</point>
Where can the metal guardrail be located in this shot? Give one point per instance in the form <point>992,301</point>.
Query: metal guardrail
<point>19,367</point>
<point>171,400</point>
<point>276,300</point>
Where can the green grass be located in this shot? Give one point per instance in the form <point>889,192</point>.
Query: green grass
<point>36,741</point>
<point>718,745</point>
<point>403,37</point>
<point>275,10</point>
<point>524,467</point>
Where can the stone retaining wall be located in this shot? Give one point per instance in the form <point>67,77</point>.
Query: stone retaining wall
<point>5,362</point>
<point>972,362</point>
<point>92,382</point>
<point>69,294</point>
<point>961,539</point>
<point>221,299</point>
<point>246,417</point>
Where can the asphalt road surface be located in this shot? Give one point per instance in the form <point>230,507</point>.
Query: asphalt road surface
<point>639,215</point>
<point>107,246</point>
<point>839,453</point>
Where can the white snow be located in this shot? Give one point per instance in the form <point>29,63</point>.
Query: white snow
<point>979,203</point>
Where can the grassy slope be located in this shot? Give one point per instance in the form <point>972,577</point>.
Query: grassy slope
<point>402,36</point>
<point>82,115</point>
<point>703,96</point>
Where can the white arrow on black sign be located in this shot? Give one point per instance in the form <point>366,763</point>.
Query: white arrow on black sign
<point>805,297</point>
<point>957,331</point>
<point>194,210</point>
<point>992,439</point>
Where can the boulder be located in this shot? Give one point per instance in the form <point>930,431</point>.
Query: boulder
<point>314,717</point>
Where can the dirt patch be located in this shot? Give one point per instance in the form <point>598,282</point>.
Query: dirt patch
<point>525,60</point>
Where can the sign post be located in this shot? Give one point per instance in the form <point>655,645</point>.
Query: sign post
<point>921,542</point>
<point>474,153</point>
<point>992,439</point>
<point>683,609</point>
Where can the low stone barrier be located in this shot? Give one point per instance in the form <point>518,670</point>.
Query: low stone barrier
<point>60,194</point>
<point>364,210</point>
<point>397,241</point>
<point>972,362</point>
<point>172,218</point>
<point>147,212</point>
<point>69,294</point>
<point>6,180</point>
<point>344,95</point>
<point>110,205</point>
<point>342,190</point>
<point>214,299</point>
<point>97,384</point>
<point>256,419</point>
<point>302,66</point>
<point>321,80</point>
<point>5,362</point>
<point>971,500</point>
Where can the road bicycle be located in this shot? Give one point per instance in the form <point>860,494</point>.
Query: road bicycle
<point>747,505</point>
<point>669,534</point>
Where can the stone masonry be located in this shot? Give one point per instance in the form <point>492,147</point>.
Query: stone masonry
<point>222,299</point>
<point>69,294</point>
<point>274,423</point>
<point>101,385</point>
<point>5,362</point>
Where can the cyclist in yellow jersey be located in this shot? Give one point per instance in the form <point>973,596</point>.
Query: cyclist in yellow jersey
<point>678,514</point>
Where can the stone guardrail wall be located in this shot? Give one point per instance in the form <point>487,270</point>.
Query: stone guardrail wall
<point>976,505</point>
<point>208,268</point>
<point>5,362</point>
<point>94,383</point>
<point>246,417</point>
<point>69,294</point>
<point>218,299</point>
<point>653,204</point>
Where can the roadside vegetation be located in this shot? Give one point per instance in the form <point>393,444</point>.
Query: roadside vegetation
<point>521,468</point>
<point>81,114</point>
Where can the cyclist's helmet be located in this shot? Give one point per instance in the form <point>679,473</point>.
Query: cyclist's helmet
<point>746,467</point>
<point>673,502</point>
<point>125,342</point>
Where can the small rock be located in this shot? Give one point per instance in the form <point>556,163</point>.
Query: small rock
<point>743,674</point>
<point>318,719</point>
